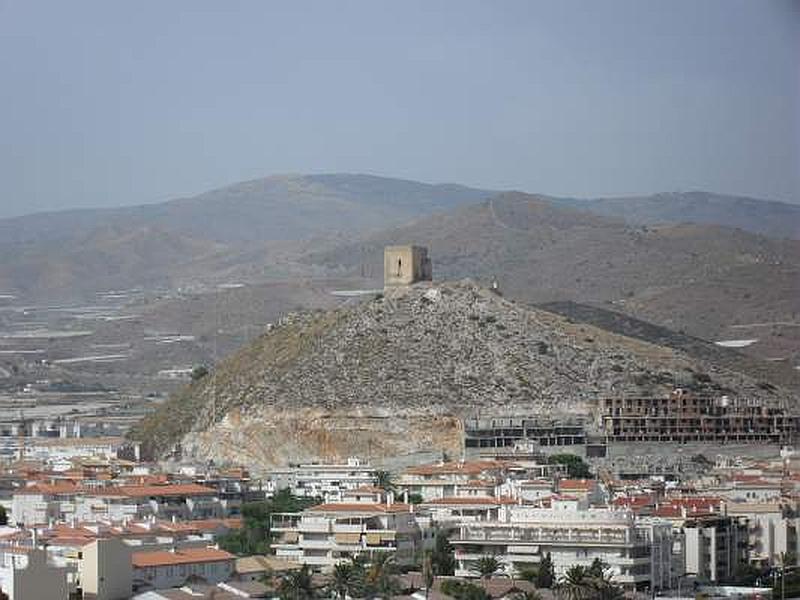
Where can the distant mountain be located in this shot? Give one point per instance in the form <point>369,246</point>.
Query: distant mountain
<point>776,219</point>
<point>106,258</point>
<point>281,207</point>
<point>255,231</point>
<point>708,281</point>
<point>242,229</point>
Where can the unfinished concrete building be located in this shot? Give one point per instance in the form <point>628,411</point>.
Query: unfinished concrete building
<point>500,432</point>
<point>686,417</point>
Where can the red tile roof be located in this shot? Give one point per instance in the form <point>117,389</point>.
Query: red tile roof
<point>50,489</point>
<point>361,507</point>
<point>145,491</point>
<point>576,484</point>
<point>158,558</point>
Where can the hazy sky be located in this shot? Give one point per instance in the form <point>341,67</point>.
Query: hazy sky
<point>107,103</point>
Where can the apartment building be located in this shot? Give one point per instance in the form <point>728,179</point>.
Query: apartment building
<point>444,480</point>
<point>27,574</point>
<point>324,535</point>
<point>320,480</point>
<point>772,530</point>
<point>573,534</point>
<point>62,501</point>
<point>105,570</point>
<point>715,546</point>
<point>182,501</point>
<point>584,489</point>
<point>464,509</point>
<point>42,503</point>
<point>161,569</point>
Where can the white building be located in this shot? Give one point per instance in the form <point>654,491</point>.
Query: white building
<point>324,535</point>
<point>163,569</point>
<point>105,570</point>
<point>573,534</point>
<point>715,546</point>
<point>772,530</point>
<point>445,480</point>
<point>27,574</point>
<point>183,501</point>
<point>42,503</point>
<point>314,480</point>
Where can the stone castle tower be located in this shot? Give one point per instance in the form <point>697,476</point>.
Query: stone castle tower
<point>404,265</point>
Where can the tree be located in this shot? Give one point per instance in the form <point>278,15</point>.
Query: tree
<point>487,566</point>
<point>347,579</point>
<point>255,535</point>
<point>428,573</point>
<point>443,556</point>
<point>380,577</point>
<point>463,590</point>
<point>575,584</point>
<point>592,583</point>
<point>520,595</point>
<point>545,574</point>
<point>528,574</point>
<point>576,468</point>
<point>597,569</point>
<point>746,574</point>
<point>297,585</point>
<point>384,480</point>
<point>605,589</point>
<point>199,372</point>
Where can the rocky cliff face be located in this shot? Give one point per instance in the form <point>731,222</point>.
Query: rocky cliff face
<point>395,374</point>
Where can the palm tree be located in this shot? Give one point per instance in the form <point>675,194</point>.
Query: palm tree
<point>343,580</point>
<point>520,595</point>
<point>428,573</point>
<point>380,575</point>
<point>384,480</point>
<point>487,566</point>
<point>598,568</point>
<point>545,574</point>
<point>605,589</point>
<point>576,584</point>
<point>297,585</point>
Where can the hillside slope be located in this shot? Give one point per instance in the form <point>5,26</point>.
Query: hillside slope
<point>279,207</point>
<point>393,376</point>
<point>775,219</point>
<point>708,281</point>
<point>243,229</point>
<point>249,230</point>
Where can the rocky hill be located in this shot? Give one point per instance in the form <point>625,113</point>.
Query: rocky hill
<point>711,282</point>
<point>393,375</point>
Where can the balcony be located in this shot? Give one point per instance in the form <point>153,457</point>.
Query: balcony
<point>314,527</point>
<point>316,544</point>
<point>319,561</point>
<point>338,528</point>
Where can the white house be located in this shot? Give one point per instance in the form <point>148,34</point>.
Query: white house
<point>162,569</point>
